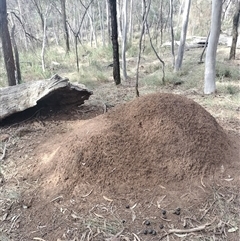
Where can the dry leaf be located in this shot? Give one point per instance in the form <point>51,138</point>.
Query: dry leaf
<point>232,230</point>
<point>107,199</point>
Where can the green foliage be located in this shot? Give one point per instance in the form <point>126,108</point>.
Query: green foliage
<point>132,51</point>
<point>154,79</point>
<point>228,88</point>
<point>224,70</point>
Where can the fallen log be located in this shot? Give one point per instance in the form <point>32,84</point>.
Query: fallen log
<point>56,91</point>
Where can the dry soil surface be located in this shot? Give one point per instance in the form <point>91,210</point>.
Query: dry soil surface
<point>137,171</point>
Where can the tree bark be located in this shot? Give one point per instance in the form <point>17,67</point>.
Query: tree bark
<point>114,26</point>
<point>101,20</point>
<point>130,26</point>
<point>235,31</point>
<point>172,32</point>
<point>64,21</point>
<point>124,39</point>
<point>53,92</point>
<point>44,39</point>
<point>108,22</point>
<point>181,47</point>
<point>144,19</point>
<point>6,44</point>
<point>210,62</point>
<point>16,55</point>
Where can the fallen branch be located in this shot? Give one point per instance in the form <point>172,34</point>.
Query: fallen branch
<point>182,231</point>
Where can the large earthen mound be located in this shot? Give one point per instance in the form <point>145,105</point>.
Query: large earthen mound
<point>153,140</point>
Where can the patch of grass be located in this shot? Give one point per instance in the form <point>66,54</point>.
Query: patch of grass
<point>154,79</point>
<point>228,88</point>
<point>132,51</point>
<point>224,71</point>
<point>171,77</point>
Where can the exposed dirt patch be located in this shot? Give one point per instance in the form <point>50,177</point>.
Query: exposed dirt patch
<point>153,140</point>
<point>80,180</point>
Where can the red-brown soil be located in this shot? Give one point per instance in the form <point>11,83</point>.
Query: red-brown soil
<point>98,176</point>
<point>156,139</point>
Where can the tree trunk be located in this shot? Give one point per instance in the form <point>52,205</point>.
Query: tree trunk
<point>181,47</point>
<point>130,26</point>
<point>118,7</point>
<point>15,48</point>
<point>6,44</point>
<point>93,31</point>
<point>172,33</point>
<point>54,92</point>
<point>21,18</point>
<point>144,19</point>
<point>101,20</point>
<point>108,22</point>
<point>235,31</point>
<point>124,39</point>
<point>64,21</point>
<point>114,26</point>
<point>205,46</point>
<point>210,62</point>
<point>44,41</point>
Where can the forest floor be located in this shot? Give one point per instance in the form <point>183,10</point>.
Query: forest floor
<point>90,173</point>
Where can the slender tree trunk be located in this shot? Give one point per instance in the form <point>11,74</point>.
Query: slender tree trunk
<point>144,19</point>
<point>225,11</point>
<point>124,39</point>
<point>181,47</point>
<point>6,44</point>
<point>130,26</point>
<point>21,18</point>
<point>172,32</point>
<point>100,12</point>
<point>64,21</point>
<point>39,13</point>
<point>76,50</point>
<point>144,7</point>
<point>205,46</point>
<point>108,22</point>
<point>118,2</point>
<point>161,23</point>
<point>56,35</point>
<point>210,62</point>
<point>235,31</point>
<point>93,31</point>
<point>44,38</point>
<point>114,26</point>
<point>154,50</point>
<point>15,48</point>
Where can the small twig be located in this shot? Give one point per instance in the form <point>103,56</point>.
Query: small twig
<point>135,235</point>
<point>202,182</point>
<point>57,198</point>
<point>87,194</point>
<point>159,202</point>
<point>207,210</point>
<point>40,239</point>
<point>182,231</point>
<point>167,220</point>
